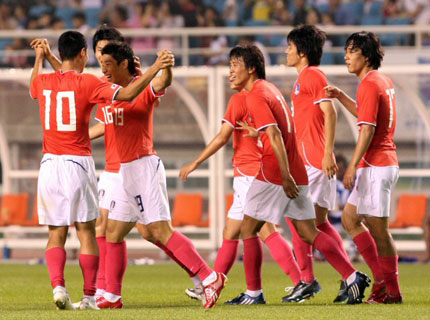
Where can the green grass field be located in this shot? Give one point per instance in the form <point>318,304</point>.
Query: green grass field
<point>157,292</point>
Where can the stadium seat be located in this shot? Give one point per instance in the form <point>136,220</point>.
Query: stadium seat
<point>392,39</point>
<point>411,210</point>
<point>356,8</point>
<point>188,210</point>
<point>14,209</point>
<point>66,14</point>
<point>228,201</point>
<point>371,20</point>
<point>376,8</point>
<point>328,58</point>
<point>92,16</point>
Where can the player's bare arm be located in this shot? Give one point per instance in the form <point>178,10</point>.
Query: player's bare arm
<point>164,60</point>
<point>347,101</point>
<point>38,63</point>
<point>288,183</point>
<point>159,84</point>
<point>216,143</point>
<point>329,166</point>
<point>49,56</point>
<point>97,130</point>
<point>252,132</point>
<point>363,142</point>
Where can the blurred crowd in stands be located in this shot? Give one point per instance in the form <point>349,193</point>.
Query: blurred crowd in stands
<point>166,14</point>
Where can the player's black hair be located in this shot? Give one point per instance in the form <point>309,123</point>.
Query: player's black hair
<point>252,57</point>
<point>370,47</point>
<point>70,44</point>
<point>121,51</point>
<point>106,33</point>
<point>309,40</point>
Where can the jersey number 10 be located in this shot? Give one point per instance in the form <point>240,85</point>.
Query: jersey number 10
<point>61,126</point>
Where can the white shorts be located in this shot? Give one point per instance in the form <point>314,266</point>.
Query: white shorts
<point>241,186</point>
<point>268,202</point>
<point>372,190</point>
<point>108,182</point>
<point>66,190</point>
<point>144,182</point>
<point>321,188</point>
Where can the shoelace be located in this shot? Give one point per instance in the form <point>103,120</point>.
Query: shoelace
<point>289,290</point>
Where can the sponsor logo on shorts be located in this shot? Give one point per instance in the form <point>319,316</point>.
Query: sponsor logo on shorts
<point>112,205</point>
<point>101,193</point>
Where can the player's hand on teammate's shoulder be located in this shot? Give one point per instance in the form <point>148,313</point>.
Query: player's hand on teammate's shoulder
<point>332,91</point>
<point>244,125</point>
<point>186,170</point>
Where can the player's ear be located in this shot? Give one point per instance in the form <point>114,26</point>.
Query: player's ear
<point>83,52</point>
<point>124,64</point>
<point>251,70</point>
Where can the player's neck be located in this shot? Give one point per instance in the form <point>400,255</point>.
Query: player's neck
<point>363,72</point>
<point>126,80</point>
<point>250,82</point>
<point>68,65</point>
<point>301,65</point>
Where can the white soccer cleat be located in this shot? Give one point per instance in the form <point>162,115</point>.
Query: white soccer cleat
<point>62,299</point>
<point>195,293</point>
<point>88,303</point>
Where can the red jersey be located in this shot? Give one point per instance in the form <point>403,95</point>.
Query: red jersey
<point>134,130</point>
<point>247,154</point>
<point>66,100</point>
<point>376,106</point>
<point>109,116</point>
<point>268,107</point>
<point>307,94</point>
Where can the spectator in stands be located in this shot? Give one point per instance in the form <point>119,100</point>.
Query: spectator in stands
<point>262,10</point>
<point>119,17</point>
<point>45,19</point>
<point>416,10</point>
<point>313,17</point>
<point>341,14</point>
<point>12,59</point>
<point>189,12</point>
<point>301,12</point>
<point>21,15</point>
<point>281,16</point>
<point>166,20</point>
<point>7,19</point>
<point>79,22</point>
<point>57,24</point>
<point>217,44</point>
<point>391,8</point>
<point>231,13</point>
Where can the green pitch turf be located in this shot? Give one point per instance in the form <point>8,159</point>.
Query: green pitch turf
<point>157,292</point>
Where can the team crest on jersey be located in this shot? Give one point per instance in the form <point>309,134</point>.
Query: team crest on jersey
<point>297,89</point>
<point>113,86</point>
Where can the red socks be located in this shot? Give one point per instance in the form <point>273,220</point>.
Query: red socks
<point>253,261</point>
<point>89,265</point>
<point>56,260</point>
<point>331,251</point>
<point>390,269</point>
<point>282,254</point>
<point>226,255</point>
<point>327,228</point>
<point>116,264</point>
<point>101,242</point>
<point>172,256</point>
<point>367,247</point>
<point>183,249</point>
<point>303,252</point>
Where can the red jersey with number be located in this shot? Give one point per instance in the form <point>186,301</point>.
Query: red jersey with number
<point>66,100</point>
<point>376,106</point>
<point>247,151</point>
<point>134,132</point>
<point>308,93</point>
<point>108,116</point>
<point>267,107</point>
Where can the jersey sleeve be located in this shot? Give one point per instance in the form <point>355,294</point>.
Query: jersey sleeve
<point>260,112</point>
<point>317,83</point>
<point>100,91</point>
<point>368,104</point>
<point>34,86</point>
<point>232,115</point>
<point>99,114</point>
<point>148,96</point>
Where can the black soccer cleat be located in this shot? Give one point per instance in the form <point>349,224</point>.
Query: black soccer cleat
<point>303,291</point>
<point>356,289</point>
<point>244,298</point>
<point>342,295</point>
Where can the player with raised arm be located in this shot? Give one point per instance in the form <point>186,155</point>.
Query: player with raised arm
<point>246,164</point>
<point>143,177</point>
<point>374,169</point>
<point>281,188</point>
<point>67,191</point>
<point>315,120</point>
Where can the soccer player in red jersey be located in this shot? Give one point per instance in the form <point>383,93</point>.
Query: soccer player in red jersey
<point>281,187</point>
<point>144,181</point>
<point>374,168</point>
<point>315,120</point>
<point>66,185</point>
<point>246,165</point>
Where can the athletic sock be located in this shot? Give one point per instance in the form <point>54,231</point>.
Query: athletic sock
<point>111,297</point>
<point>89,264</point>
<point>252,261</point>
<point>303,253</point>
<point>367,247</point>
<point>254,293</point>
<point>172,256</point>
<point>328,247</point>
<point>101,273</point>
<point>328,229</point>
<point>184,250</point>
<point>226,255</point>
<point>56,260</point>
<point>390,270</point>
<point>282,254</point>
<point>116,264</point>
